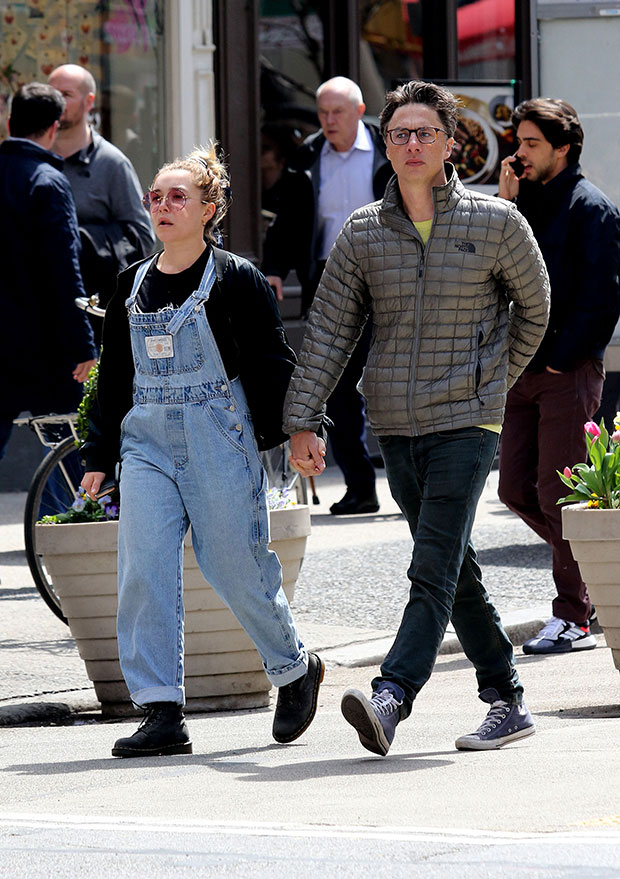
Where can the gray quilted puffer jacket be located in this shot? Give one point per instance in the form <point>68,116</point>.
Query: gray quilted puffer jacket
<point>454,322</point>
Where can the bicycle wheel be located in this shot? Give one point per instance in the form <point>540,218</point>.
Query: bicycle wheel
<point>52,491</point>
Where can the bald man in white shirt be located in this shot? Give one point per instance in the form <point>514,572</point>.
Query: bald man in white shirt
<point>346,167</point>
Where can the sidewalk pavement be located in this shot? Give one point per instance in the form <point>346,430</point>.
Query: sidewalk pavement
<point>43,680</point>
<point>563,780</point>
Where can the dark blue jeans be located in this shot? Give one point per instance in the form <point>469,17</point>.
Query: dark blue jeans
<point>437,480</point>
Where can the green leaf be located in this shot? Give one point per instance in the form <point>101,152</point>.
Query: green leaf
<point>596,453</point>
<point>565,479</point>
<point>573,498</point>
<point>593,480</point>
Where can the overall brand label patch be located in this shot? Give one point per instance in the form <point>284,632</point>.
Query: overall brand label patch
<point>159,346</point>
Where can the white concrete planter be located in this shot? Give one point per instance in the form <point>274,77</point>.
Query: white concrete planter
<point>594,537</point>
<point>223,671</point>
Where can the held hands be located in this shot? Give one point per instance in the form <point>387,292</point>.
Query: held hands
<point>307,453</point>
<point>91,482</point>
<point>508,180</point>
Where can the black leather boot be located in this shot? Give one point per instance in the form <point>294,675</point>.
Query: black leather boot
<point>297,702</point>
<point>163,731</point>
<point>353,503</point>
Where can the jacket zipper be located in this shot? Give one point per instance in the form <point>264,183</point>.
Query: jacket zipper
<point>478,367</point>
<point>418,314</point>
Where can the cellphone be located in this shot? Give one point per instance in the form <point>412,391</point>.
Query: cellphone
<point>517,165</point>
<point>107,488</point>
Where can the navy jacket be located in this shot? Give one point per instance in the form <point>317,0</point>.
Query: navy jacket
<point>578,230</point>
<point>42,333</point>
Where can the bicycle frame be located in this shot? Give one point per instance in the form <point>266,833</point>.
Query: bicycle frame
<point>37,423</point>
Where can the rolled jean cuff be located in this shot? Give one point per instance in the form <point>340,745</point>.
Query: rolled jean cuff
<point>513,697</point>
<point>289,673</point>
<point>144,697</point>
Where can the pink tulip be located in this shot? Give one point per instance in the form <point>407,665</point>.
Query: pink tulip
<point>568,472</point>
<point>592,428</point>
<point>616,436</point>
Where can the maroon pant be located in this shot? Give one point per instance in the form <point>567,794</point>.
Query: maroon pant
<point>542,433</point>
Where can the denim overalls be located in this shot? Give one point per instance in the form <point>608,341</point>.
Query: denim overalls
<point>189,456</point>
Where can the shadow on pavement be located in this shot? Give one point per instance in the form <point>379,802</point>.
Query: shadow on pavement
<point>224,761</point>
<point>374,518</point>
<point>516,555</point>
<point>20,593</point>
<point>13,557</point>
<point>585,712</point>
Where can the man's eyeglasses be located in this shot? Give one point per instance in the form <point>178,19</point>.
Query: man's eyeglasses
<point>402,136</point>
<point>175,199</point>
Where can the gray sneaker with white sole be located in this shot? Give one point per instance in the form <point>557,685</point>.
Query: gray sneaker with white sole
<point>374,719</point>
<point>503,724</point>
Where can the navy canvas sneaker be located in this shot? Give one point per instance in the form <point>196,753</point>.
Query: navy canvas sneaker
<point>374,719</point>
<point>560,636</point>
<point>503,724</point>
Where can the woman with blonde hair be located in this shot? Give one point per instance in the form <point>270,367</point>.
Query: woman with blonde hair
<point>191,384</point>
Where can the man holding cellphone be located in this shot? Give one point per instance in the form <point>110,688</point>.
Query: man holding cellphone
<point>578,231</point>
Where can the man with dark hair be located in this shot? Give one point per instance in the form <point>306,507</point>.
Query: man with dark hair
<point>342,167</point>
<point>46,344</point>
<point>457,292</point>
<point>34,109</point>
<point>114,226</point>
<point>578,231</point>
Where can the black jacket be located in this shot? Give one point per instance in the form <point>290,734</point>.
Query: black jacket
<point>245,322</point>
<point>292,241</point>
<point>42,334</point>
<point>578,230</point>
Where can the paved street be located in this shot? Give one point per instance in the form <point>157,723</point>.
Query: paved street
<point>242,805</point>
<point>355,566</point>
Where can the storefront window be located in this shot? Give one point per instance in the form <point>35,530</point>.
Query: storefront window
<point>486,39</point>
<point>390,48</point>
<point>290,40</point>
<point>119,41</point>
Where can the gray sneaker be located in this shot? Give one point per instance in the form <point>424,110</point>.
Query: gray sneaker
<point>374,719</point>
<point>503,724</point>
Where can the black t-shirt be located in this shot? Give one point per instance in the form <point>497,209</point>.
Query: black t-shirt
<point>160,290</point>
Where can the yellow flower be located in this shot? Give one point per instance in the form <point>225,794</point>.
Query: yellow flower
<point>593,503</point>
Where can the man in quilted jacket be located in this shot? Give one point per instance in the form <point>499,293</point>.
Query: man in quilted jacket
<point>458,294</point>
<point>578,231</point>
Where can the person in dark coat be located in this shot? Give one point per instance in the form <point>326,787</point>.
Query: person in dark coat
<point>344,167</point>
<point>46,343</point>
<point>578,231</point>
